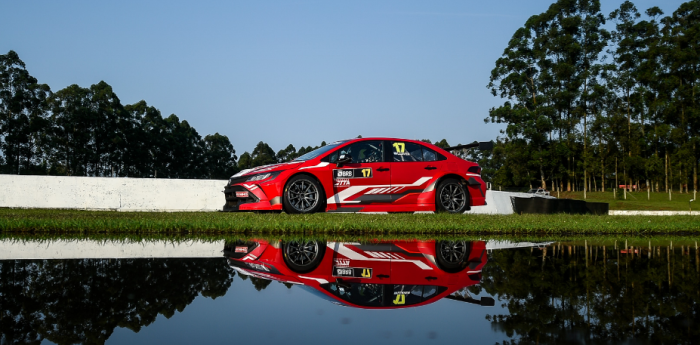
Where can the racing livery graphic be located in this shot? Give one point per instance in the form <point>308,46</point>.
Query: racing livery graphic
<point>362,175</point>
<point>376,275</point>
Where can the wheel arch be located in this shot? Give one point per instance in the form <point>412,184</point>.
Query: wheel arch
<point>309,174</point>
<point>463,181</point>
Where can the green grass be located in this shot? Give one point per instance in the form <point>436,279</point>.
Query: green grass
<point>637,240</point>
<point>637,200</point>
<point>41,221</point>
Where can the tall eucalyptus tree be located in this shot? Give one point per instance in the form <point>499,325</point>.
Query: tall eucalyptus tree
<point>22,116</point>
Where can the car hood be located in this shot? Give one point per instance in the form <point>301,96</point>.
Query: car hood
<point>269,167</point>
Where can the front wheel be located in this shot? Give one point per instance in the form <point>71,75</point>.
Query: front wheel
<point>303,194</point>
<point>451,196</point>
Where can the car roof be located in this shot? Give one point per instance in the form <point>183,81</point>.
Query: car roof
<point>389,138</point>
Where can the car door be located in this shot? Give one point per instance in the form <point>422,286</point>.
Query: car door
<point>355,184</point>
<point>412,264</point>
<point>413,166</point>
<point>361,262</point>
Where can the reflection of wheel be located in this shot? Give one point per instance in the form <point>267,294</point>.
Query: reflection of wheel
<point>303,256</point>
<point>451,197</point>
<point>303,194</point>
<point>452,255</point>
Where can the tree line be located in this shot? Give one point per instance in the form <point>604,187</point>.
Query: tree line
<point>81,131</point>
<point>593,101</point>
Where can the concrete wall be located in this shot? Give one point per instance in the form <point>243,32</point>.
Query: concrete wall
<point>91,249</point>
<point>497,203</point>
<point>111,193</point>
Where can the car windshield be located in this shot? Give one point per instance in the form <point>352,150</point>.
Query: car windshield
<point>319,151</point>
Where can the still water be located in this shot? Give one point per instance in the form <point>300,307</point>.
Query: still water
<point>395,291</point>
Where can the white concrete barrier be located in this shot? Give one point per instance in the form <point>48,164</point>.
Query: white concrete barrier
<point>92,249</point>
<point>111,193</point>
<point>498,203</point>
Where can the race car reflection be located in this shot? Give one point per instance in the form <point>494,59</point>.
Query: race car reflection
<point>375,275</point>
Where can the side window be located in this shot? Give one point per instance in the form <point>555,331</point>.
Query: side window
<point>370,295</point>
<point>333,157</point>
<point>407,152</point>
<point>412,294</point>
<point>429,155</point>
<point>368,151</point>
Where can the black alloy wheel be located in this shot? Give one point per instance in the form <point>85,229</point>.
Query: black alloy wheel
<point>303,194</point>
<point>451,197</point>
<point>303,256</point>
<point>452,256</point>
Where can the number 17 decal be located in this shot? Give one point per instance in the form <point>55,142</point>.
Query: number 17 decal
<point>366,172</point>
<point>400,147</point>
<point>400,299</point>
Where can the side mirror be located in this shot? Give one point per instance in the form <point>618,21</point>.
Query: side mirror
<point>343,159</point>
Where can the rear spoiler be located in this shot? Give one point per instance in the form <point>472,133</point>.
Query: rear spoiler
<point>483,146</point>
<point>484,301</point>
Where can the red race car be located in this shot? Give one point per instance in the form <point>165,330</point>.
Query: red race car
<point>376,275</point>
<point>362,175</point>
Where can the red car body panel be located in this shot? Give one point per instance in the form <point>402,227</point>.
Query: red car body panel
<point>379,186</point>
<point>393,268</point>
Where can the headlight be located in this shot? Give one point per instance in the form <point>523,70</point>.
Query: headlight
<point>259,177</point>
<point>265,176</point>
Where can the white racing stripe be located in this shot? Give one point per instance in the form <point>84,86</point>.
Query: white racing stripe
<point>341,249</point>
<point>322,281</point>
<point>319,165</point>
<point>350,191</point>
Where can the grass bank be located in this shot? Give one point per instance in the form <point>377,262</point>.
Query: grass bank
<point>637,200</point>
<point>85,222</point>
<point>637,240</point>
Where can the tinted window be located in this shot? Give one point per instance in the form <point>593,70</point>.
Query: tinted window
<point>407,152</point>
<point>367,151</point>
<point>412,294</point>
<point>429,155</point>
<point>370,295</point>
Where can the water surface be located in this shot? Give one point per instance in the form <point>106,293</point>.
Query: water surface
<point>587,292</point>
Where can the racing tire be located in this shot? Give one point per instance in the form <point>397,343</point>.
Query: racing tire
<point>452,256</point>
<point>303,194</point>
<point>303,256</point>
<point>451,196</point>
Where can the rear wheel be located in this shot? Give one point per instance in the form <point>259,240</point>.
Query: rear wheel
<point>451,196</point>
<point>303,194</point>
<point>303,256</point>
<point>452,256</point>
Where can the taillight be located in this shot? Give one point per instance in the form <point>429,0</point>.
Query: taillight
<point>475,170</point>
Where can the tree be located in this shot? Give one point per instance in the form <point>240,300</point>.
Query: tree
<point>442,144</point>
<point>287,154</point>
<point>245,161</point>
<point>220,156</point>
<point>71,142</point>
<point>263,155</point>
<point>22,116</point>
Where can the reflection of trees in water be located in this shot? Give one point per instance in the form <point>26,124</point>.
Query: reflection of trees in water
<point>596,294</point>
<point>82,301</point>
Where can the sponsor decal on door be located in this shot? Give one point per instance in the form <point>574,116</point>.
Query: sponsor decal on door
<point>352,272</point>
<point>352,173</point>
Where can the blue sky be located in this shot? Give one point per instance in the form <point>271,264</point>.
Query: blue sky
<point>283,72</point>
